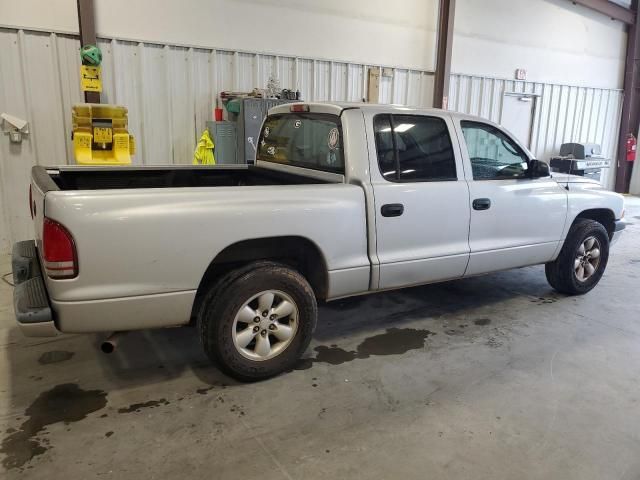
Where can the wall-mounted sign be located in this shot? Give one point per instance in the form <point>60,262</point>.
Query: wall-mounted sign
<point>521,74</point>
<point>90,79</point>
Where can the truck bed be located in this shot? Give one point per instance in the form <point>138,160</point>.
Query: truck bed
<point>174,176</point>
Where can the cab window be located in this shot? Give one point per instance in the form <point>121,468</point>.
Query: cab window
<point>414,148</point>
<point>309,140</point>
<point>493,155</point>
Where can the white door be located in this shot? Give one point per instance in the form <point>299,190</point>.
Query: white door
<point>421,199</point>
<point>517,116</point>
<point>516,220</point>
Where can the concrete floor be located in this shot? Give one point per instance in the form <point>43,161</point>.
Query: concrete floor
<point>495,377</point>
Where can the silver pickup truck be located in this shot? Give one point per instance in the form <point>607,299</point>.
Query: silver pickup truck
<point>343,199</point>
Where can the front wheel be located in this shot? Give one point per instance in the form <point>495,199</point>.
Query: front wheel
<point>257,321</point>
<point>582,260</point>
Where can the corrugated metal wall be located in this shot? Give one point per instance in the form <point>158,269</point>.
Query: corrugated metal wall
<point>170,92</point>
<point>563,113</point>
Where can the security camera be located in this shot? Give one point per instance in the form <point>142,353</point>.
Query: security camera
<point>15,122</point>
<point>14,127</point>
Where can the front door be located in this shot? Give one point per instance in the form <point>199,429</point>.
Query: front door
<point>517,116</point>
<point>516,220</point>
<point>421,199</point>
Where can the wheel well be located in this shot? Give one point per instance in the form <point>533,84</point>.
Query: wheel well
<point>601,215</point>
<point>298,252</point>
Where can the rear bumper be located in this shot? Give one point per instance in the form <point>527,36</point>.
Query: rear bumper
<point>30,298</point>
<point>619,227</point>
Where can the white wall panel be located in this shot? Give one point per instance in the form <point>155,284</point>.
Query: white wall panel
<point>203,88</point>
<point>306,78</point>
<point>339,82</point>
<point>386,88</point>
<point>225,71</point>
<point>183,128</point>
<point>322,79</point>
<point>356,76</point>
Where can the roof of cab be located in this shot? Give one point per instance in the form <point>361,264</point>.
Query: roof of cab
<point>336,108</point>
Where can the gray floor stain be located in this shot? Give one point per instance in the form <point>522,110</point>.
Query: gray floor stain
<point>395,341</point>
<point>136,407</point>
<point>543,300</point>
<point>204,391</point>
<point>55,356</point>
<point>64,403</point>
<point>454,333</point>
<point>482,322</point>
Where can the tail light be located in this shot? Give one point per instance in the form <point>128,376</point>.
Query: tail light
<point>299,107</point>
<point>59,251</point>
<point>31,202</point>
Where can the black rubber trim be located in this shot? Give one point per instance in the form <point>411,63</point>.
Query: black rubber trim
<point>24,261</point>
<point>30,297</point>
<point>31,303</point>
<point>392,210</point>
<point>481,204</point>
<point>43,180</point>
<point>620,225</point>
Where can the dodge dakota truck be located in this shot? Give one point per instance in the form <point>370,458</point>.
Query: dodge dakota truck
<point>343,200</point>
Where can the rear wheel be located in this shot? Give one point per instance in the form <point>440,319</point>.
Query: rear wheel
<point>582,260</point>
<point>257,321</point>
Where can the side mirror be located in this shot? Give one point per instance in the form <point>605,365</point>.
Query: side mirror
<point>539,169</point>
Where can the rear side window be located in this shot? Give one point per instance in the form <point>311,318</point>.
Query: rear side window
<point>308,140</point>
<point>414,148</point>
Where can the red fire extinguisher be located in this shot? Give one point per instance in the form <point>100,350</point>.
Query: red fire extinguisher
<point>631,147</point>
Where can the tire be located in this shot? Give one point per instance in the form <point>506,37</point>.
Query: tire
<point>223,320</point>
<point>564,273</point>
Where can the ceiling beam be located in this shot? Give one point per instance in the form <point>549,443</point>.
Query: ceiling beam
<point>446,14</point>
<point>610,9</point>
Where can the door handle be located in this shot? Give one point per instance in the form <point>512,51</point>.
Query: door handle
<point>481,204</point>
<point>392,210</point>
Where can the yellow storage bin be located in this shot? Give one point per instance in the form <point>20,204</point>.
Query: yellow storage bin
<point>100,135</point>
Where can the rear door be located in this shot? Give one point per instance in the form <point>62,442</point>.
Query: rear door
<point>516,220</point>
<point>421,199</point>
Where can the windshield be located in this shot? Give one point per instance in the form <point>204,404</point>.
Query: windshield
<point>309,140</point>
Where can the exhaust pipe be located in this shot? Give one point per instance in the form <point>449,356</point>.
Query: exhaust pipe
<point>110,344</point>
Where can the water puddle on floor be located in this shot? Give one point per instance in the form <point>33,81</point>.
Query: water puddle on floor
<point>395,341</point>
<point>66,403</point>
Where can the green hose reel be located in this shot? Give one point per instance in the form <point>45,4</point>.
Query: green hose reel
<point>91,55</point>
